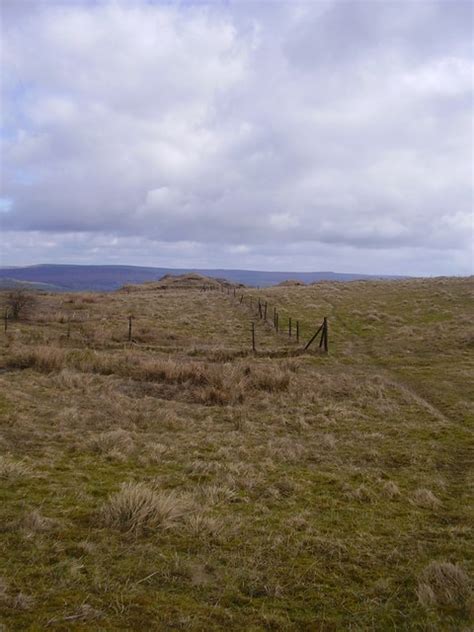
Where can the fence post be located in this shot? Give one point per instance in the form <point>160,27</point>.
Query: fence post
<point>313,337</point>
<point>265,311</point>
<point>297,331</point>
<point>276,324</point>
<point>241,299</point>
<point>130,328</point>
<point>253,336</point>
<point>324,336</point>
<point>68,333</point>
<point>260,309</point>
<point>6,319</point>
<point>274,317</point>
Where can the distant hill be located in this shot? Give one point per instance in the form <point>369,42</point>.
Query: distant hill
<point>6,283</point>
<point>106,278</point>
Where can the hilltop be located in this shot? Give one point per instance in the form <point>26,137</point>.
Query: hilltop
<point>188,281</point>
<point>168,477</point>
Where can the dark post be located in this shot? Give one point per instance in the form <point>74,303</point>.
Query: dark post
<point>253,336</point>
<point>265,311</point>
<point>289,327</point>
<point>241,299</point>
<point>313,337</point>
<point>130,328</point>
<point>275,317</point>
<point>68,333</point>
<point>324,335</point>
<point>297,331</point>
<point>6,319</point>
<point>234,292</point>
<point>260,309</point>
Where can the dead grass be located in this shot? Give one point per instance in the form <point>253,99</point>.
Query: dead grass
<point>425,498</point>
<point>264,491</point>
<point>12,470</point>
<point>444,584</point>
<point>136,508</point>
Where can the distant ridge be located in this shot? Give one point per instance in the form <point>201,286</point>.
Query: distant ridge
<point>112,277</point>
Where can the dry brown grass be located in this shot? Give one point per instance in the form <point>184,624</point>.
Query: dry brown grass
<point>11,470</point>
<point>444,584</point>
<point>136,508</point>
<point>426,499</point>
<point>275,492</point>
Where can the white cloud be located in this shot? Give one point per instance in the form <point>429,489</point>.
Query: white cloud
<point>240,129</point>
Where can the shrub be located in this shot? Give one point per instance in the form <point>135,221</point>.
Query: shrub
<point>19,303</point>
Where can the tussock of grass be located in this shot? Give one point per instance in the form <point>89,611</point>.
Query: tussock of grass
<point>444,584</point>
<point>136,508</point>
<point>114,440</point>
<point>425,498</point>
<point>35,522</point>
<point>11,469</point>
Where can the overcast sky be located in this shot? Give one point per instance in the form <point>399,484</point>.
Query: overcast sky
<point>322,135</point>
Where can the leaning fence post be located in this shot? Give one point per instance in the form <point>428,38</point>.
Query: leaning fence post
<point>253,336</point>
<point>130,328</point>
<point>313,337</point>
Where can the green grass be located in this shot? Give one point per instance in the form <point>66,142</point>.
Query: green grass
<point>305,510</point>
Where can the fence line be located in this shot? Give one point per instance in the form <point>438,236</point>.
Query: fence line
<point>261,309</point>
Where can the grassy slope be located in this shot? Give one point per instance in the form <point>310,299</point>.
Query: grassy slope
<point>315,488</point>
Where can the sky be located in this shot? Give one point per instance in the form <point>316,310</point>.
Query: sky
<point>296,136</point>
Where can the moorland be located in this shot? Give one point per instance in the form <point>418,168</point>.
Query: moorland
<point>181,481</point>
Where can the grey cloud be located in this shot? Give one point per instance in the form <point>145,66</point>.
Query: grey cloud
<point>341,127</point>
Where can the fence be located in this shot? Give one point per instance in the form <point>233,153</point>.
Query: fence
<point>261,308</point>
<point>257,307</point>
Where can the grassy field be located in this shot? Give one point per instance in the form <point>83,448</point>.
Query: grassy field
<point>180,482</point>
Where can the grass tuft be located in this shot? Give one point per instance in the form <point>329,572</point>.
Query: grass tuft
<point>444,584</point>
<point>136,508</point>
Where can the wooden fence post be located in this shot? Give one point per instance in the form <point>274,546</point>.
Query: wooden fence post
<point>313,337</point>
<point>130,328</point>
<point>6,319</point>
<point>260,313</point>
<point>276,323</point>
<point>297,331</point>
<point>265,311</point>
<point>253,336</point>
<point>274,317</point>
<point>325,331</point>
<point>324,336</point>
<point>241,299</point>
